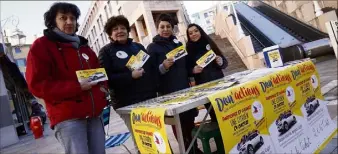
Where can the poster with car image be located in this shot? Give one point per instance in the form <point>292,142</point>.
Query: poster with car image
<point>310,102</point>
<point>285,122</point>
<point>240,115</point>
<point>149,130</point>
<point>93,75</point>
<point>206,59</point>
<point>177,53</point>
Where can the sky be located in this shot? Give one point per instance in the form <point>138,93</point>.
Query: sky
<point>30,13</point>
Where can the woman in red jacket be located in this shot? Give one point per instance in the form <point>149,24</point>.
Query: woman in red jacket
<point>73,107</point>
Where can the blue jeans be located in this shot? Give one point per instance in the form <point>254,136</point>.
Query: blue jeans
<point>81,136</point>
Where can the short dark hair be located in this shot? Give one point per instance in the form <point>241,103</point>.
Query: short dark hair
<point>114,21</point>
<point>62,7</point>
<point>164,17</point>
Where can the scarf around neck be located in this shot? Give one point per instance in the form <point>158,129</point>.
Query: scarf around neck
<point>73,39</point>
<point>199,45</point>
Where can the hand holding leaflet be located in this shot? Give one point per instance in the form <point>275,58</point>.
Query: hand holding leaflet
<point>177,53</point>
<point>206,59</point>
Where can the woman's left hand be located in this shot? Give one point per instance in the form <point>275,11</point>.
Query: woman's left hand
<point>219,60</point>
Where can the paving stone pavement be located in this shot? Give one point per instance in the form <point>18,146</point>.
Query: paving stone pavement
<point>326,66</point>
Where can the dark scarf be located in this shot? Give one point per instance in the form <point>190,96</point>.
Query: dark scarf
<point>199,45</point>
<point>159,39</point>
<point>73,39</point>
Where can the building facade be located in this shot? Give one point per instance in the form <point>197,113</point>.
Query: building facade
<point>141,16</point>
<point>205,19</point>
<point>20,57</point>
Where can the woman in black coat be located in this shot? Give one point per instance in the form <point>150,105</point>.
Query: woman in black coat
<point>173,75</point>
<point>199,43</point>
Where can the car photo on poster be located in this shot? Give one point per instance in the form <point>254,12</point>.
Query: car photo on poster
<point>250,143</point>
<point>311,105</point>
<point>96,76</point>
<point>285,121</point>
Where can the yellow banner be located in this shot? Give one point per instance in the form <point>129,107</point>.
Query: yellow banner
<point>309,100</point>
<point>285,107</point>
<point>241,117</point>
<point>206,59</point>
<point>93,75</point>
<point>177,53</point>
<point>149,130</point>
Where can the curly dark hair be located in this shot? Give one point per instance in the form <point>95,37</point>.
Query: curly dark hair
<point>62,7</point>
<point>164,17</point>
<point>114,21</point>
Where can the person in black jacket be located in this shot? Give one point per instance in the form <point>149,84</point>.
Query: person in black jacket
<point>130,87</point>
<point>199,43</point>
<point>173,74</point>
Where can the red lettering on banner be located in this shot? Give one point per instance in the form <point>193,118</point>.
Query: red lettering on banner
<point>150,118</point>
<point>306,68</point>
<point>246,92</point>
<point>281,78</point>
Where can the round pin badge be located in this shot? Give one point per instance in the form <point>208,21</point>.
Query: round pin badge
<point>208,47</point>
<point>121,54</point>
<point>85,56</point>
<point>176,41</point>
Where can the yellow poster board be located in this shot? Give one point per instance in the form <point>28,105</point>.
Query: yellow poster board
<point>93,75</point>
<point>292,107</point>
<point>309,100</point>
<point>285,121</point>
<point>206,59</point>
<point>149,130</point>
<point>242,120</point>
<point>177,53</point>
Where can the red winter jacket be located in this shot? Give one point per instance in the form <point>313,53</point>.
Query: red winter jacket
<point>50,75</point>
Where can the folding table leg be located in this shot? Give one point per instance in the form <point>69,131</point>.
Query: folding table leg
<point>179,133</point>
<point>126,119</point>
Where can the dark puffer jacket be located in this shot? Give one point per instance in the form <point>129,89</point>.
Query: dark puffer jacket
<point>177,77</point>
<point>114,57</point>
<point>212,71</point>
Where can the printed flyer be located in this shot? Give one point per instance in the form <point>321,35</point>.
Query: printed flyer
<point>310,101</point>
<point>93,75</point>
<point>177,53</point>
<point>136,62</point>
<point>132,63</point>
<point>275,58</point>
<point>285,122</point>
<point>149,130</point>
<point>142,58</point>
<point>206,59</point>
<point>241,117</point>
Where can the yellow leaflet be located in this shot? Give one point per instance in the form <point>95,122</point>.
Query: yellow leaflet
<point>93,75</point>
<point>149,130</point>
<point>177,53</point>
<point>206,59</point>
<point>132,63</point>
<point>141,58</point>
